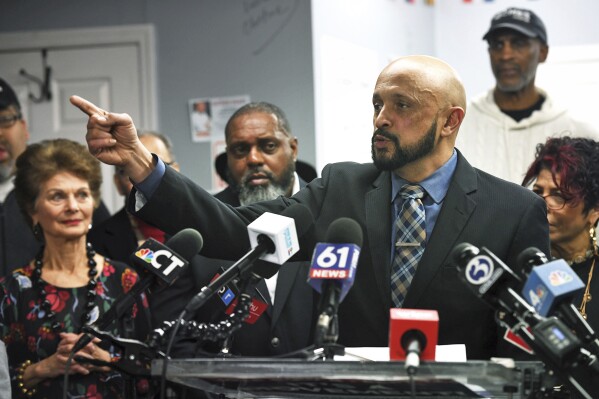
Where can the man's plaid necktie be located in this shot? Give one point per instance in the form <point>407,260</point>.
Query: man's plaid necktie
<point>410,234</point>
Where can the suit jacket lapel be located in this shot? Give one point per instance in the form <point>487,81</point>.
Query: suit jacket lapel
<point>264,296</point>
<point>287,275</point>
<point>455,212</point>
<point>378,226</point>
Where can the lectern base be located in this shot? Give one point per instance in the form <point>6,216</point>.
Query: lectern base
<point>295,378</point>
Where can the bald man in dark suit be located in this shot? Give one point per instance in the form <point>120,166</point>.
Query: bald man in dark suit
<point>419,104</point>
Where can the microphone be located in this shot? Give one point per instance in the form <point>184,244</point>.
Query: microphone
<point>552,341</point>
<point>413,335</point>
<point>487,276</point>
<point>530,258</point>
<point>550,286</point>
<point>550,289</point>
<point>274,238</point>
<point>333,271</point>
<point>161,262</point>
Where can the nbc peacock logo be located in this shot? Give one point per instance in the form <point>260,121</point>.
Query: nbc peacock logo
<point>145,254</point>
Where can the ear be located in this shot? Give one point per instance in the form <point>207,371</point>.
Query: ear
<point>453,121</point>
<point>543,53</point>
<point>593,216</point>
<point>293,143</point>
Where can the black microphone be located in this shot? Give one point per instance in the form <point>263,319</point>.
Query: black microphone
<point>333,271</point>
<point>550,288</point>
<point>274,239</point>
<point>162,263</point>
<point>530,258</point>
<point>488,277</point>
<point>552,341</point>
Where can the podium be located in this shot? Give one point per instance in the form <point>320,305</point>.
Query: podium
<point>298,378</point>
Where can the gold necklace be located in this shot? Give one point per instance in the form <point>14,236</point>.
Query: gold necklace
<point>587,294</point>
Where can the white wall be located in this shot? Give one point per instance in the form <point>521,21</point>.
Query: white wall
<point>352,41</point>
<point>460,28</point>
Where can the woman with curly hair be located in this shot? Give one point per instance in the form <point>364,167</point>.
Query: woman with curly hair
<point>44,304</point>
<point>565,173</point>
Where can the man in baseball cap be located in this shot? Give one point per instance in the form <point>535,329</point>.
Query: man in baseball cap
<point>503,126</point>
<point>519,20</point>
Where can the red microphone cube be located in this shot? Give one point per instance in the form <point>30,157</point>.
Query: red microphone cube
<point>417,323</point>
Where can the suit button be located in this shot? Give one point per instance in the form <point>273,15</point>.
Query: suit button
<point>275,342</point>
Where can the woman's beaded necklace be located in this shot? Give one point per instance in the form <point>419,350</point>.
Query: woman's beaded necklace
<point>46,305</point>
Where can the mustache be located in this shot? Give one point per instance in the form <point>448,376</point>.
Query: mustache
<point>385,134</point>
<point>247,175</point>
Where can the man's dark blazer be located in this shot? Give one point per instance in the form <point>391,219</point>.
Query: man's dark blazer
<point>285,327</point>
<point>478,208</point>
<point>114,238</point>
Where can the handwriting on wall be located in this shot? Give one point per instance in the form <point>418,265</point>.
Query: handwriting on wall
<point>263,20</point>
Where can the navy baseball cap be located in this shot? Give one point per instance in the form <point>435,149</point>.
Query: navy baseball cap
<point>521,20</point>
<point>8,96</point>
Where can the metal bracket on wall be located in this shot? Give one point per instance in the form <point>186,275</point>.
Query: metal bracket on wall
<point>44,85</point>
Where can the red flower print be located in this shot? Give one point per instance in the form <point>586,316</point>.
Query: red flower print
<point>108,269</point>
<point>58,299</point>
<point>34,308</point>
<point>15,334</point>
<point>128,279</point>
<point>100,290</point>
<point>92,392</point>
<point>46,333</point>
<point>32,344</point>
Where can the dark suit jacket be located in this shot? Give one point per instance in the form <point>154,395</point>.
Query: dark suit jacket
<point>285,327</point>
<point>479,208</point>
<point>114,238</point>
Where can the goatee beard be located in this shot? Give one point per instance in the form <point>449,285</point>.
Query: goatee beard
<point>403,156</point>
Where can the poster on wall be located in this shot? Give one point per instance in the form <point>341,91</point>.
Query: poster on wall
<point>208,116</point>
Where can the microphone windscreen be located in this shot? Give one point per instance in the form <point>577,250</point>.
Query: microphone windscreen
<point>463,251</point>
<point>344,231</point>
<point>529,258</point>
<point>301,215</point>
<point>187,243</point>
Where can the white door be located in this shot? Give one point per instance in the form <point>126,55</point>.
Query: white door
<point>111,67</point>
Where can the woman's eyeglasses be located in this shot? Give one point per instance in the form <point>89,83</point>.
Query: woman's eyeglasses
<point>554,201</point>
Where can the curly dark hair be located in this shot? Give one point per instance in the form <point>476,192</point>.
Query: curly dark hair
<point>574,161</point>
<point>42,161</point>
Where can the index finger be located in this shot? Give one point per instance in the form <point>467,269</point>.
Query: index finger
<point>86,106</point>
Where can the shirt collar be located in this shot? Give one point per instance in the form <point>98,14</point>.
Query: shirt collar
<point>436,185</point>
<point>296,184</point>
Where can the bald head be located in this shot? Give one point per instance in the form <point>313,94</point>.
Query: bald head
<point>432,75</point>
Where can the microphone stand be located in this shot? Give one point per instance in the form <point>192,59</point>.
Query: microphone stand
<point>135,360</point>
<point>327,326</point>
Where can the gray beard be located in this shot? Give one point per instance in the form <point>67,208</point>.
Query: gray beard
<point>250,194</point>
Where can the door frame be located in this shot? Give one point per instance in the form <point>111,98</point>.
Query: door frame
<point>142,36</point>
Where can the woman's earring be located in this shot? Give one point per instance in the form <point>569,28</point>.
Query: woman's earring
<point>37,232</point>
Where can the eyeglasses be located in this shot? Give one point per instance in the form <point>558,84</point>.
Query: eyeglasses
<point>554,201</point>
<point>7,121</point>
